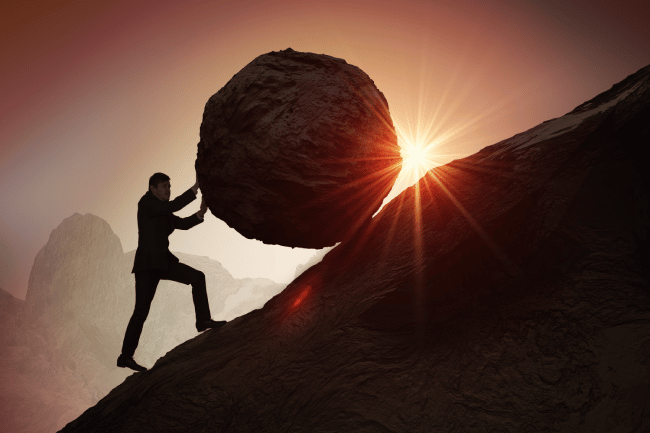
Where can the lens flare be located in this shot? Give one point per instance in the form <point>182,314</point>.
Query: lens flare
<point>302,296</point>
<point>417,159</point>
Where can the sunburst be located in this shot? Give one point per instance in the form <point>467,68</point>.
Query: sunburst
<point>418,158</point>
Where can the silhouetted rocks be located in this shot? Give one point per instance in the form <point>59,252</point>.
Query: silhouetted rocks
<point>514,298</point>
<point>297,149</point>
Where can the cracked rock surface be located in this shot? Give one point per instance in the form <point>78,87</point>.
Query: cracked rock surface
<point>518,300</point>
<point>297,149</point>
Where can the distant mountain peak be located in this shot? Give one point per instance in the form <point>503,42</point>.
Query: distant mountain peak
<point>81,225</point>
<point>9,303</point>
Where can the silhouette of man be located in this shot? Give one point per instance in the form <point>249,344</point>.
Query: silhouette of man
<point>154,262</point>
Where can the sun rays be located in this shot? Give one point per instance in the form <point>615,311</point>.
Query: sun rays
<point>432,130</point>
<point>417,159</point>
<point>428,140</point>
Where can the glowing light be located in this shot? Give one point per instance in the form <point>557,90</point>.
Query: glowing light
<point>417,158</point>
<point>302,296</point>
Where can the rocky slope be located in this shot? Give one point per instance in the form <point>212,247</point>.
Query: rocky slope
<point>507,291</point>
<point>60,345</point>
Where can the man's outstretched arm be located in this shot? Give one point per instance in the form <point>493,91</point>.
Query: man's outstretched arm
<point>159,207</point>
<point>192,220</point>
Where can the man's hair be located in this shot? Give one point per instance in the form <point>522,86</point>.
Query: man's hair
<point>157,178</point>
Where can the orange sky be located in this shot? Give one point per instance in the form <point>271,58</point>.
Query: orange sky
<point>95,98</point>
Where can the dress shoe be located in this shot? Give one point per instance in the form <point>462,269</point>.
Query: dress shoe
<point>124,361</point>
<point>209,323</point>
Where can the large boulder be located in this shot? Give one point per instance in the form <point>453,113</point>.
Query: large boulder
<point>297,149</point>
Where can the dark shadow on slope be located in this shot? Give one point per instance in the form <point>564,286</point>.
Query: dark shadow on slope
<point>471,279</point>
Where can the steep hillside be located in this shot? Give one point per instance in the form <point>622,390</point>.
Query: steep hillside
<point>507,291</point>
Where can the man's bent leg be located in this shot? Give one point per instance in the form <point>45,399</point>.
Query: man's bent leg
<point>188,275</point>
<point>145,289</point>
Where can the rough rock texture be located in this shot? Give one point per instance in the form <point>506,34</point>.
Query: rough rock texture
<point>517,300</point>
<point>58,347</point>
<point>297,149</point>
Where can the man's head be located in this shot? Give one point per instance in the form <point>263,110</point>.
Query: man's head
<point>159,186</point>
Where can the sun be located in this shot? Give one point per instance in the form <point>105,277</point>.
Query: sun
<point>415,156</point>
<point>417,159</point>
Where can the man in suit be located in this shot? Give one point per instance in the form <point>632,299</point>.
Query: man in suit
<point>154,262</point>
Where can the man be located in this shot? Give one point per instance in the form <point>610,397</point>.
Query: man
<point>154,262</point>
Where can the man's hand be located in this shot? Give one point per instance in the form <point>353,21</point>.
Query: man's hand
<point>203,209</point>
<point>195,187</point>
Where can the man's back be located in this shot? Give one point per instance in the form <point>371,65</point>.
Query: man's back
<point>156,222</point>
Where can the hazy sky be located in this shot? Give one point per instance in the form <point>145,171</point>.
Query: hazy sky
<point>97,97</point>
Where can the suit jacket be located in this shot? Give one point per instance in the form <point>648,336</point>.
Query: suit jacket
<point>155,223</point>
